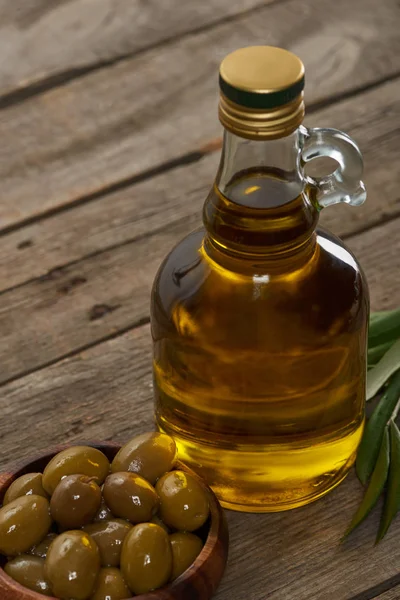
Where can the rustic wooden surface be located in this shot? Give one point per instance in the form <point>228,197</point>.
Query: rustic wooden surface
<point>109,143</point>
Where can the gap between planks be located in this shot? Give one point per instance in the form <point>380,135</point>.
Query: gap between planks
<point>62,78</point>
<point>287,549</point>
<point>117,122</point>
<point>76,351</point>
<point>383,220</point>
<point>379,591</point>
<point>186,159</point>
<point>145,319</point>
<point>154,191</point>
<point>169,211</point>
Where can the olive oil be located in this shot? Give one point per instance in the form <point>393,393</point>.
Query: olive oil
<point>259,322</point>
<point>259,357</point>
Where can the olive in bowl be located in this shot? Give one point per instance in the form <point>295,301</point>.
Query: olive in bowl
<point>109,564</point>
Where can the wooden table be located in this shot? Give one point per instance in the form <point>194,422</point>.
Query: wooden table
<point>109,143</point>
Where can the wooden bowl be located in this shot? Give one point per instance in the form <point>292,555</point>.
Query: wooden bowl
<point>199,582</point>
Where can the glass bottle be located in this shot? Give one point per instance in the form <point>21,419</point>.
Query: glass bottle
<point>259,319</point>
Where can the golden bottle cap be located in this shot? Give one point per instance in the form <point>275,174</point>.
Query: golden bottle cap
<point>261,92</point>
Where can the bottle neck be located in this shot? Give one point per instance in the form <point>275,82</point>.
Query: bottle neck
<point>277,159</point>
<point>258,206</point>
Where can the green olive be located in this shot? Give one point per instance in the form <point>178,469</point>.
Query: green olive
<point>146,558</point>
<point>72,565</point>
<point>184,501</point>
<point>26,485</point>
<point>149,455</point>
<point>103,514</point>
<point>156,519</point>
<point>76,459</point>
<point>109,537</point>
<point>43,546</point>
<point>75,501</point>
<point>131,497</point>
<point>29,572</point>
<point>185,549</point>
<point>110,585</point>
<point>24,522</point>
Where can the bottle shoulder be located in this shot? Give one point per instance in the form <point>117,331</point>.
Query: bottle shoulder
<point>181,267</point>
<point>331,245</point>
<point>199,299</point>
<point>329,292</point>
<point>187,261</point>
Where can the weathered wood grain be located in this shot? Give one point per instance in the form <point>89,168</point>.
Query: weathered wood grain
<point>41,41</point>
<point>106,393</point>
<point>88,301</point>
<point>144,208</point>
<point>69,143</point>
<point>85,136</point>
<point>393,594</point>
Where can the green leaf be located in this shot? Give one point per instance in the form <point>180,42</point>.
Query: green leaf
<point>375,486</point>
<point>376,353</point>
<point>384,327</point>
<point>378,376</point>
<point>392,501</point>
<point>371,441</point>
<point>380,314</point>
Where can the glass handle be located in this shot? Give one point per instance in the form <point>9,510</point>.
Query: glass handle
<point>344,184</point>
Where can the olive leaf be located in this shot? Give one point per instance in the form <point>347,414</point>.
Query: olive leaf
<point>377,352</point>
<point>374,430</point>
<point>377,314</point>
<point>378,457</point>
<point>376,484</point>
<point>384,327</point>
<point>392,500</point>
<point>384,330</point>
<point>378,376</point>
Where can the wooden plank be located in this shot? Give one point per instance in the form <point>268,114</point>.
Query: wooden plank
<point>143,208</point>
<point>117,122</point>
<point>42,40</point>
<point>105,393</point>
<point>92,299</point>
<point>393,594</point>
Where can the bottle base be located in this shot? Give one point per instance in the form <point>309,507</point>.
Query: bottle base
<point>290,505</point>
<point>271,478</point>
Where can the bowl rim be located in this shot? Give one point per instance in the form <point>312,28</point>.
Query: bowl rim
<point>217,535</point>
